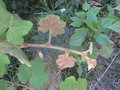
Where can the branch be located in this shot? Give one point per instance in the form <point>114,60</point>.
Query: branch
<point>21,85</point>
<point>51,47</point>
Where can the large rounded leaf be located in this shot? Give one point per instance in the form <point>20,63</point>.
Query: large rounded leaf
<point>35,74</point>
<point>71,84</point>
<point>17,29</point>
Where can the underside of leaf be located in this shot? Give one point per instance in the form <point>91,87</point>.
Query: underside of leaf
<point>14,50</point>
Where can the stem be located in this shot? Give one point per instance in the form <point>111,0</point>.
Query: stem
<point>21,85</point>
<point>50,35</point>
<point>26,45</point>
<point>51,47</point>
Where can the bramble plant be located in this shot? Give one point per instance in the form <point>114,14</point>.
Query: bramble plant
<point>88,42</point>
<point>91,28</point>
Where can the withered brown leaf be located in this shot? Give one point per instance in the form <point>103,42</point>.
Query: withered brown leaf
<point>90,50</point>
<point>65,61</point>
<point>53,24</point>
<point>91,62</point>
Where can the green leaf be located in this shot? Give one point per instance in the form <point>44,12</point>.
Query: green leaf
<point>95,53</point>
<point>11,88</point>
<point>80,14</point>
<point>4,19</point>
<point>117,8</point>
<point>3,85</point>
<point>35,74</point>
<point>115,26</point>
<point>95,10</point>
<point>102,39</point>
<point>106,22</point>
<point>15,27</point>
<point>91,16</point>
<point>2,4</point>
<point>94,25</point>
<point>3,37</point>
<point>76,22</point>
<point>79,70</point>
<point>14,50</point>
<point>106,51</point>
<point>110,9</point>
<point>117,2</point>
<point>111,13</point>
<point>85,6</point>
<point>78,38</point>
<point>2,70</point>
<point>71,84</point>
<point>3,61</point>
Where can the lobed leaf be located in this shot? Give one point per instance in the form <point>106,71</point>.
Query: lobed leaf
<point>35,74</point>
<point>53,24</point>
<point>65,61</point>
<point>15,28</point>
<point>71,84</point>
<point>91,62</point>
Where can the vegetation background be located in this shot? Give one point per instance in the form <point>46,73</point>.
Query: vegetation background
<point>87,21</point>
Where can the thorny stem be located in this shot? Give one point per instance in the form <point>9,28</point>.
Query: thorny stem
<point>26,45</point>
<point>51,47</point>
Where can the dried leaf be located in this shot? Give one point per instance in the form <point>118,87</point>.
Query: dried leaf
<point>53,24</point>
<point>90,50</point>
<point>65,61</point>
<point>91,62</point>
<point>40,54</point>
